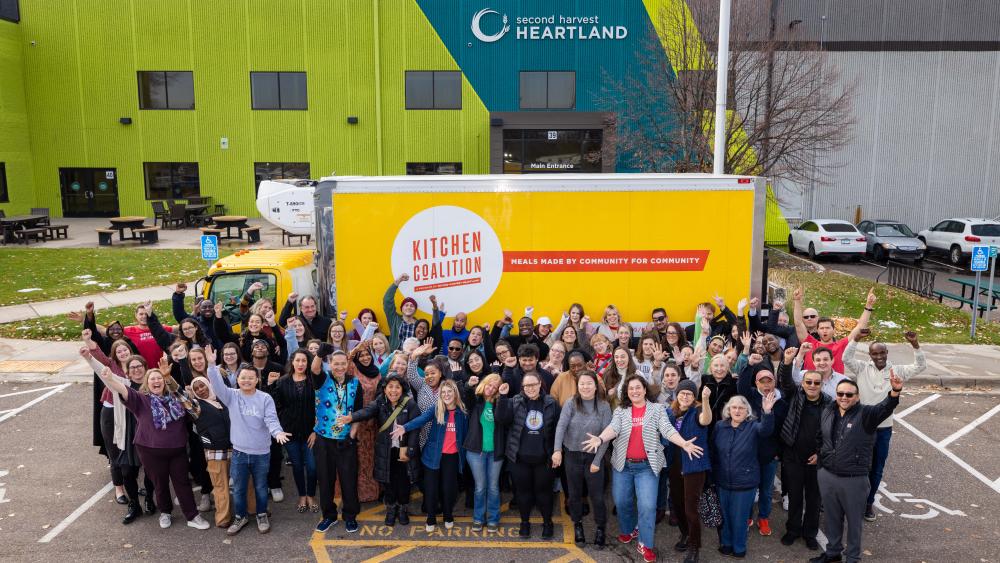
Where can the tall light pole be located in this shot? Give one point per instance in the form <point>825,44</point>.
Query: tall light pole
<point>721,87</point>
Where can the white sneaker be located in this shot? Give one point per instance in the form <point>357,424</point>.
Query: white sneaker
<point>429,528</point>
<point>784,502</point>
<point>205,504</point>
<point>449,525</point>
<point>277,495</point>
<point>199,523</point>
<point>164,520</point>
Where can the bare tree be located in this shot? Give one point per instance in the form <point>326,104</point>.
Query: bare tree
<point>786,102</point>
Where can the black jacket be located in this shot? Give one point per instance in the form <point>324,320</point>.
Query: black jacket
<point>515,340</point>
<point>767,448</point>
<point>855,433</point>
<point>512,376</point>
<point>380,409</point>
<point>206,324</point>
<point>771,326</point>
<point>474,436</point>
<point>319,325</point>
<point>512,412</point>
<point>796,398</point>
<point>722,391</point>
<point>722,325</point>
<point>296,412</point>
<point>212,426</point>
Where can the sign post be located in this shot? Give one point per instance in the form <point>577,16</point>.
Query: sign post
<point>989,286</point>
<point>209,247</point>
<point>980,258</point>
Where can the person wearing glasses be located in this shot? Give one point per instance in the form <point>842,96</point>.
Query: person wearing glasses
<point>845,458</point>
<point>800,436</point>
<point>827,331</point>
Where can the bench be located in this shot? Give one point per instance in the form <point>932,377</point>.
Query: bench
<point>963,301</point>
<point>211,231</point>
<point>287,236</point>
<point>105,236</point>
<point>37,233</point>
<point>253,234</point>
<point>58,231</point>
<point>149,235</point>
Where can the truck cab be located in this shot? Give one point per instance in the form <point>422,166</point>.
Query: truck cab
<point>280,271</point>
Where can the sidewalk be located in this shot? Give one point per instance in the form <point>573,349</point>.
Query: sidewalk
<point>14,313</point>
<point>951,366</point>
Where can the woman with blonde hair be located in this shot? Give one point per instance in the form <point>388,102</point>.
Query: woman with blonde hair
<point>484,448</point>
<point>611,321</point>
<point>443,454</point>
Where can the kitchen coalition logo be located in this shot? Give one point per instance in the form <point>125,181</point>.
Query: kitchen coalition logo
<point>449,252</point>
<point>554,27</point>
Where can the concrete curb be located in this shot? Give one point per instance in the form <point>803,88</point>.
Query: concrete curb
<point>37,309</point>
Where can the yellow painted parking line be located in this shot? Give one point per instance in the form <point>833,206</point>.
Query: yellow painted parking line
<point>575,554</point>
<point>319,549</point>
<point>389,554</point>
<point>484,544</point>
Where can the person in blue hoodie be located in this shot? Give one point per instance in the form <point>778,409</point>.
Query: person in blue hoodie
<point>737,468</point>
<point>443,456</point>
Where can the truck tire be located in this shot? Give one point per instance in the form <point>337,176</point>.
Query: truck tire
<point>955,255</point>
<point>812,252</point>
<point>791,245</point>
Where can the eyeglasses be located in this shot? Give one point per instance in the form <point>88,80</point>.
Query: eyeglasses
<point>137,366</point>
<point>809,316</point>
<point>659,319</point>
<point>812,383</point>
<point>454,349</point>
<point>845,394</point>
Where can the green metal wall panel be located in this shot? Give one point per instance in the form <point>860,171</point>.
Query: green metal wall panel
<point>81,78</point>
<point>15,143</point>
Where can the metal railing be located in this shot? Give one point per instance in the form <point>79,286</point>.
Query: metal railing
<point>914,280</point>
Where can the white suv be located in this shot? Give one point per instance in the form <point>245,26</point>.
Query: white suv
<point>956,237</point>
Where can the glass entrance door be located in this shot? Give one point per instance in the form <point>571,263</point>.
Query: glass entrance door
<point>89,192</point>
<point>545,151</point>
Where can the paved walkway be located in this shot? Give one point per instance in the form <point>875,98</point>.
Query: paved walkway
<point>952,366</point>
<point>13,313</point>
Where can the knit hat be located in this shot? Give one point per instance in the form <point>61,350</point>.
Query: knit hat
<point>410,300</point>
<point>687,385</point>
<point>764,373</point>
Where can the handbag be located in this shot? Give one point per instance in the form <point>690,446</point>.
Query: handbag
<point>709,509</point>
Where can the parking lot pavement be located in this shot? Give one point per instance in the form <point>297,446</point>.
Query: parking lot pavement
<point>939,502</point>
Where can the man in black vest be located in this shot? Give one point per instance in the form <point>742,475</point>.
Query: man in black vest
<point>845,457</point>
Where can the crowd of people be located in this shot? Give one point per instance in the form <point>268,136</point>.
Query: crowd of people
<point>686,425</point>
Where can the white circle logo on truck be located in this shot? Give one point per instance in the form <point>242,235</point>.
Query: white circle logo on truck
<point>451,253</point>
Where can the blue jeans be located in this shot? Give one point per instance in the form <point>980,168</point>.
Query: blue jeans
<point>486,474</point>
<point>303,467</point>
<point>663,490</point>
<point>241,468</point>
<point>767,472</point>
<point>636,482</point>
<point>879,456</point>
<point>736,507</point>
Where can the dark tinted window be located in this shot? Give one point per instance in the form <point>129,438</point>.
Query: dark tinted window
<point>548,90</point>
<point>171,180</point>
<point>839,228</point>
<point>4,196</point>
<point>437,89</point>
<point>166,89</point>
<point>10,11</point>
<point>278,90</point>
<point>986,230</point>
<point>864,226</point>
<point>279,171</point>
<point>808,226</point>
<point>940,226</point>
<point>955,227</point>
<point>422,168</point>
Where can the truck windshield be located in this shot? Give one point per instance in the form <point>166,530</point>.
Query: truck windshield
<point>897,230</point>
<point>230,288</point>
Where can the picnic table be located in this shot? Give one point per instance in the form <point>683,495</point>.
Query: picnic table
<point>17,222</point>
<point>984,287</point>
<point>193,210</point>
<point>227,222</point>
<point>132,223</point>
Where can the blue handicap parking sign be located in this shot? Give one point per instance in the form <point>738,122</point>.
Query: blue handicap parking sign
<point>209,247</point>
<point>980,258</point>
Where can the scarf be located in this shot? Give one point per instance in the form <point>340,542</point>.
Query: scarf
<point>371,370</point>
<point>165,410</point>
<point>601,362</point>
<point>212,399</point>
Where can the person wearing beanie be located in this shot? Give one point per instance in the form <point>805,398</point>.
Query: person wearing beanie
<point>687,474</point>
<point>402,323</point>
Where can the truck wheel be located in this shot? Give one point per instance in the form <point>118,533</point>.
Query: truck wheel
<point>955,255</point>
<point>812,251</point>
<point>791,245</point>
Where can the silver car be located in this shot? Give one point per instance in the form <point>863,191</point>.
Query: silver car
<point>891,240</point>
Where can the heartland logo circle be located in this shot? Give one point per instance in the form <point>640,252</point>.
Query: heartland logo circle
<point>451,253</point>
<point>477,29</point>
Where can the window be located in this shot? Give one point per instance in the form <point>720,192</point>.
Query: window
<point>10,11</point>
<point>839,228</point>
<point>544,151</point>
<point>422,168</point>
<point>4,196</point>
<point>955,227</point>
<point>230,288</point>
<point>865,227</point>
<point>893,230</point>
<point>171,180</point>
<point>809,226</point>
<point>278,90</point>
<point>548,90</point>
<point>438,89</point>
<point>166,89</point>
<point>278,171</point>
<point>982,230</point>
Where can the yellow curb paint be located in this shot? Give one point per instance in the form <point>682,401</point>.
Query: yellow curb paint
<point>389,554</point>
